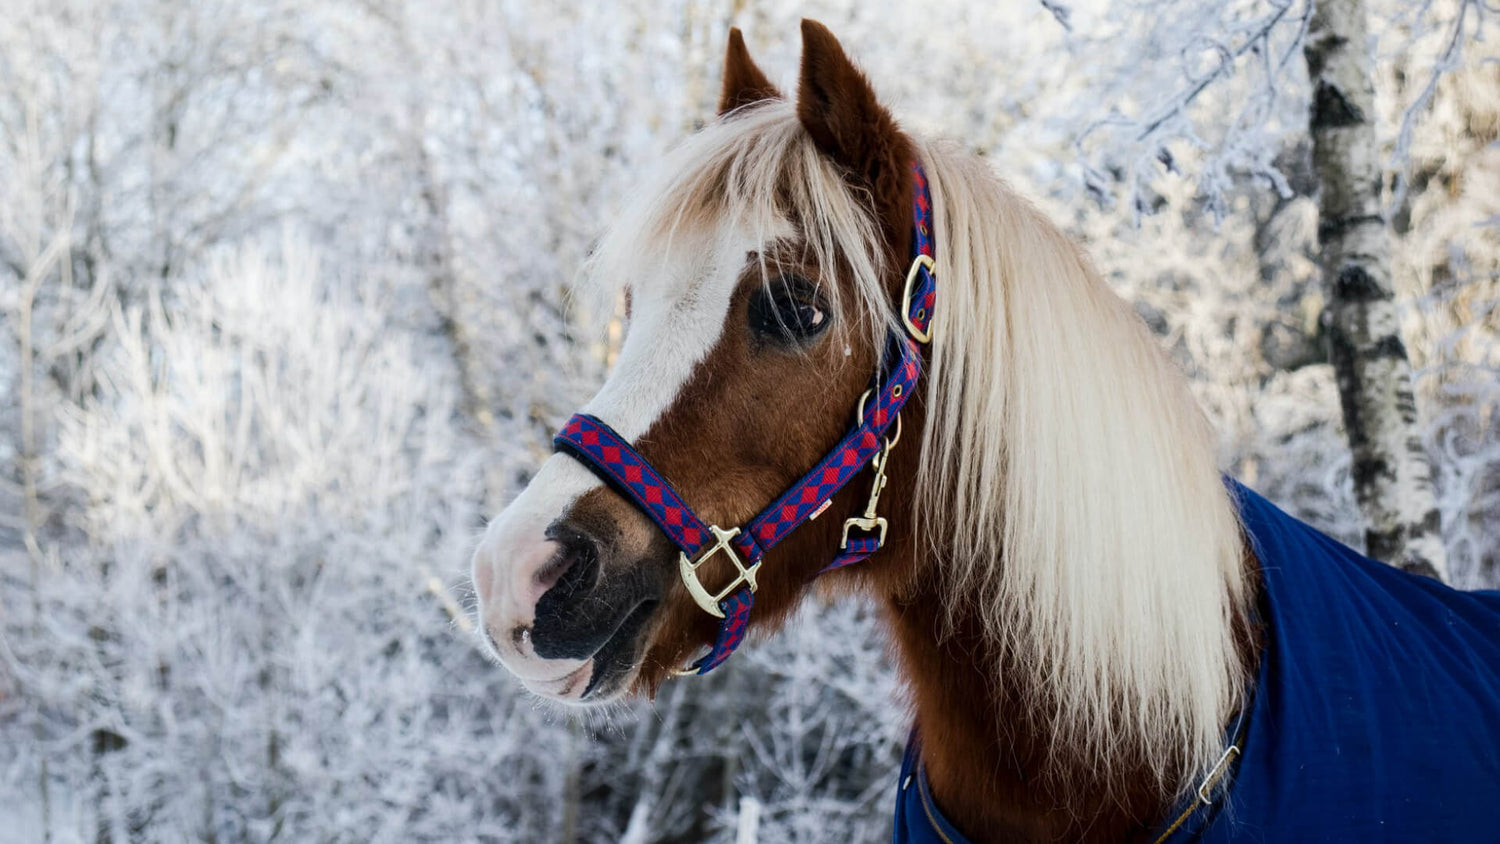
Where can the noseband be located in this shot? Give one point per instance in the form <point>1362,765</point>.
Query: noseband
<point>619,465</point>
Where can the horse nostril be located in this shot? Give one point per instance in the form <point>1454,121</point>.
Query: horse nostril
<point>489,636</point>
<point>574,567</point>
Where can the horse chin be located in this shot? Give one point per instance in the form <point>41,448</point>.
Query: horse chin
<point>568,688</point>
<point>592,685</point>
<point>611,673</point>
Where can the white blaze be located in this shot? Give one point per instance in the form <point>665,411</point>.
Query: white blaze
<point>678,314</point>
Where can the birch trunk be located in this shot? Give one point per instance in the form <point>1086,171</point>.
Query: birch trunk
<point>1392,476</point>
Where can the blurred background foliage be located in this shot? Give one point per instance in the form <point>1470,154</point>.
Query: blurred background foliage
<point>284,315</point>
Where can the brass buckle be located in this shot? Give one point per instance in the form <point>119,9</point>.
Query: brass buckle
<point>917,263</point>
<point>689,571</point>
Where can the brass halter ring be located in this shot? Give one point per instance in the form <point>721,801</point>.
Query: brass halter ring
<point>859,419</point>
<point>707,601</point>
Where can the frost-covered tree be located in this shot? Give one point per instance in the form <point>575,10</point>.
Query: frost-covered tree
<point>283,310</point>
<point>1391,471</point>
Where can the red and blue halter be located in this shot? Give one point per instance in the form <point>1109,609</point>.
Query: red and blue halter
<point>618,464</point>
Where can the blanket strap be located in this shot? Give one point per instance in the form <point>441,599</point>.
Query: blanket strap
<point>1215,776</point>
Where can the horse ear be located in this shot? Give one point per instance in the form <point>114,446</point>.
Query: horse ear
<point>743,81</point>
<point>838,108</point>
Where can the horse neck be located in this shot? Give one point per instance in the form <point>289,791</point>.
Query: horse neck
<point>984,748</point>
<point>983,718</point>
<point>1069,690</point>
<point>983,736</point>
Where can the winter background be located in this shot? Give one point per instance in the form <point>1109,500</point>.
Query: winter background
<point>284,316</point>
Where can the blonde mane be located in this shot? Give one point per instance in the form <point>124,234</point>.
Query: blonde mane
<point>1089,525</point>
<point>1069,480</point>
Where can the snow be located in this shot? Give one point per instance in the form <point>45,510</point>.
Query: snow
<point>293,284</point>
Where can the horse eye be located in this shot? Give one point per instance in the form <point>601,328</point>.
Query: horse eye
<point>788,311</point>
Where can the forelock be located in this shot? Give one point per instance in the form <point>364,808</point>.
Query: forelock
<point>754,173</point>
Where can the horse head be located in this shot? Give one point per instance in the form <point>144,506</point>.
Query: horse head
<point>762,269</point>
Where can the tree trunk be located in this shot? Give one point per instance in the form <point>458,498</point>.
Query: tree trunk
<point>1392,476</point>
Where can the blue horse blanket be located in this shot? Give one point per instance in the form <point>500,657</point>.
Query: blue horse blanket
<point>1376,712</point>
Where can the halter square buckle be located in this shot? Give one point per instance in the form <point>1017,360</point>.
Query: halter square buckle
<point>689,571</point>
<point>921,336</point>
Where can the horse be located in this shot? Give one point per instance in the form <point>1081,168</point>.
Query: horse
<point>854,352</point>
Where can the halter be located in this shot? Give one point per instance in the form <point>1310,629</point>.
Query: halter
<point>618,464</point>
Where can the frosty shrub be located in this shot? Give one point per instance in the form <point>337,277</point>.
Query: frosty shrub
<point>251,641</point>
<point>284,316</point>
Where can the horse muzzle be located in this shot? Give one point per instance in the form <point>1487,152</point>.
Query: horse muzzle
<point>566,595</point>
